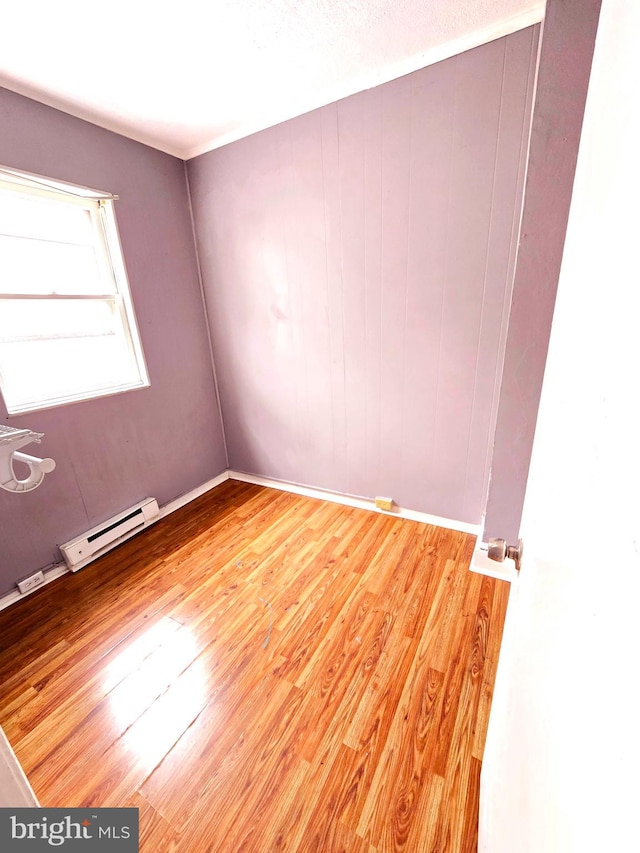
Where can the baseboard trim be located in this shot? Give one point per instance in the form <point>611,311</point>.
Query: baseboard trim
<point>183,500</point>
<point>358,503</point>
<point>51,573</point>
<point>56,570</point>
<point>482,565</point>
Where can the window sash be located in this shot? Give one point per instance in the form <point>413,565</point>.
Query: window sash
<point>32,183</point>
<point>89,351</point>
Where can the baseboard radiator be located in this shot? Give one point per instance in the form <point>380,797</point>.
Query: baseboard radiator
<point>97,541</point>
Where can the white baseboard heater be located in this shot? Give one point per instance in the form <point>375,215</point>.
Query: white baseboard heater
<point>97,541</point>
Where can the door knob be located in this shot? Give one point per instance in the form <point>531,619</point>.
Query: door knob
<point>499,551</point>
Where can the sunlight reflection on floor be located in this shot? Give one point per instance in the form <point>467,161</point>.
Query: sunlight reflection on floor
<point>158,699</point>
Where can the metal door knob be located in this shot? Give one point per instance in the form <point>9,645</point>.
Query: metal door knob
<point>499,551</point>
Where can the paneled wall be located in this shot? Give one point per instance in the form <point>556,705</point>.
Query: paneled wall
<point>357,264</point>
<point>561,91</point>
<point>160,441</point>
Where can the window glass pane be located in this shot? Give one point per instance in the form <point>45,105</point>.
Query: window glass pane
<point>32,319</point>
<point>26,215</point>
<point>67,329</point>
<point>39,266</point>
<point>63,349</point>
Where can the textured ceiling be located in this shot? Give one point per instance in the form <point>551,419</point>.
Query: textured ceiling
<point>190,76</point>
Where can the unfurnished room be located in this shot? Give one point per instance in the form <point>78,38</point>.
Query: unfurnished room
<point>318,426</point>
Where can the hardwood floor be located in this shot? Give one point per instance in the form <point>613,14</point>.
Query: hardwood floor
<point>263,672</point>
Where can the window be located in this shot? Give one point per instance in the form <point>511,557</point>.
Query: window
<point>67,327</point>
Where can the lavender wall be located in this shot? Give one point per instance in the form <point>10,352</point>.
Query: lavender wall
<point>357,265</point>
<point>565,64</point>
<point>161,441</point>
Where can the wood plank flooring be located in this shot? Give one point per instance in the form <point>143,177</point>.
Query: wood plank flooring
<point>263,672</point>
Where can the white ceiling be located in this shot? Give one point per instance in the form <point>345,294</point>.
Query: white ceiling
<point>190,76</point>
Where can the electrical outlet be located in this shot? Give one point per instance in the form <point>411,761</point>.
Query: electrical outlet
<point>31,582</point>
<point>384,503</point>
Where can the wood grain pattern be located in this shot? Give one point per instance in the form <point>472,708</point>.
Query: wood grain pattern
<point>263,672</point>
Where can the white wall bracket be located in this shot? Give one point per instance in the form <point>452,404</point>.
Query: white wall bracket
<point>10,440</point>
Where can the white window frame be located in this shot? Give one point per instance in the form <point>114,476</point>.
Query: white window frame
<point>111,261</point>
